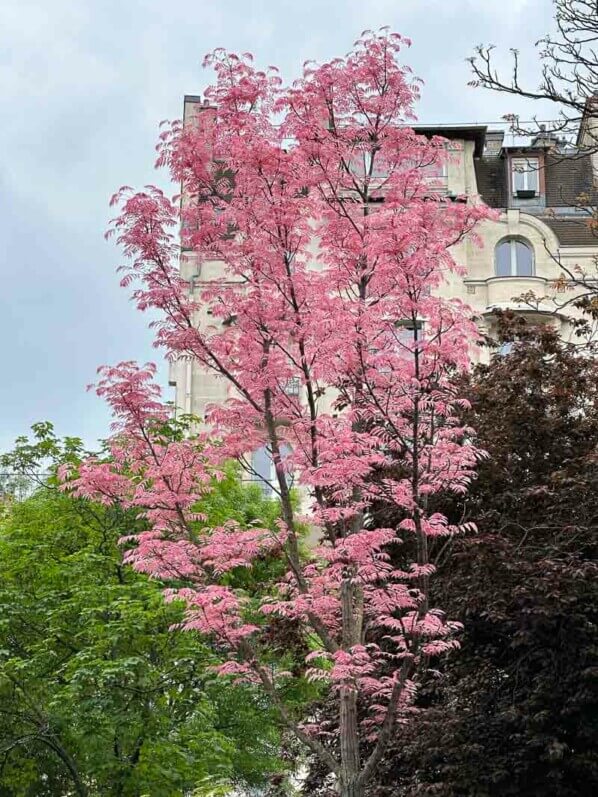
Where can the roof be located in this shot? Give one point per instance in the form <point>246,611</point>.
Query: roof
<point>571,232</point>
<point>475,133</point>
<point>491,178</point>
<point>568,176</point>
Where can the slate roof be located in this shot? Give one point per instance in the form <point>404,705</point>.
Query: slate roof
<point>571,232</point>
<point>568,176</point>
<point>491,176</point>
<point>475,133</point>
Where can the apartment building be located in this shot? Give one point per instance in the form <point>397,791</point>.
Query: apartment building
<point>535,186</point>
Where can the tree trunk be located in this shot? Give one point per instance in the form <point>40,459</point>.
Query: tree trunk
<point>351,789</point>
<point>349,736</point>
<point>352,613</point>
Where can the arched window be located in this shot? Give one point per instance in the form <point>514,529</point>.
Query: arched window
<point>514,257</point>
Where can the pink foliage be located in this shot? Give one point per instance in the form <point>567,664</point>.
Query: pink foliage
<point>274,179</point>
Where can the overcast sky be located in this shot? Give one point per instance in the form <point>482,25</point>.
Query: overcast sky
<point>83,86</point>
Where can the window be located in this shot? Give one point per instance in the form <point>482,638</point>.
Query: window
<point>514,257</point>
<point>361,162</point>
<point>263,471</point>
<point>408,336</point>
<point>525,176</point>
<point>408,332</point>
<point>435,170</point>
<point>261,464</point>
<point>431,169</point>
<point>292,386</point>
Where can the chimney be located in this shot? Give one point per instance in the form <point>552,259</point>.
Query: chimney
<point>545,138</point>
<point>493,143</point>
<point>193,107</point>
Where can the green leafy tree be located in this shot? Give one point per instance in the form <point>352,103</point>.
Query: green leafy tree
<point>98,696</point>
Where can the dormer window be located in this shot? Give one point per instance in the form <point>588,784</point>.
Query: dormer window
<point>514,257</point>
<point>525,177</point>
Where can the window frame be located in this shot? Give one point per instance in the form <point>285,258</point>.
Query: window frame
<point>263,472</point>
<point>511,241</point>
<point>526,173</point>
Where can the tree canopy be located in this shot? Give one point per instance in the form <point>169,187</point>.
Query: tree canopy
<point>313,218</point>
<point>99,693</point>
<point>516,712</point>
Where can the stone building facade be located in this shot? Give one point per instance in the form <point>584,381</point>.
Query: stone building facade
<point>538,188</point>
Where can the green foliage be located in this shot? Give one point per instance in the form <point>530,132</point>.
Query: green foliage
<point>235,501</point>
<point>98,693</point>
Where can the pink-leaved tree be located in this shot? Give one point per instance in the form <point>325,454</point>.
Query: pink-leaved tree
<point>318,203</point>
